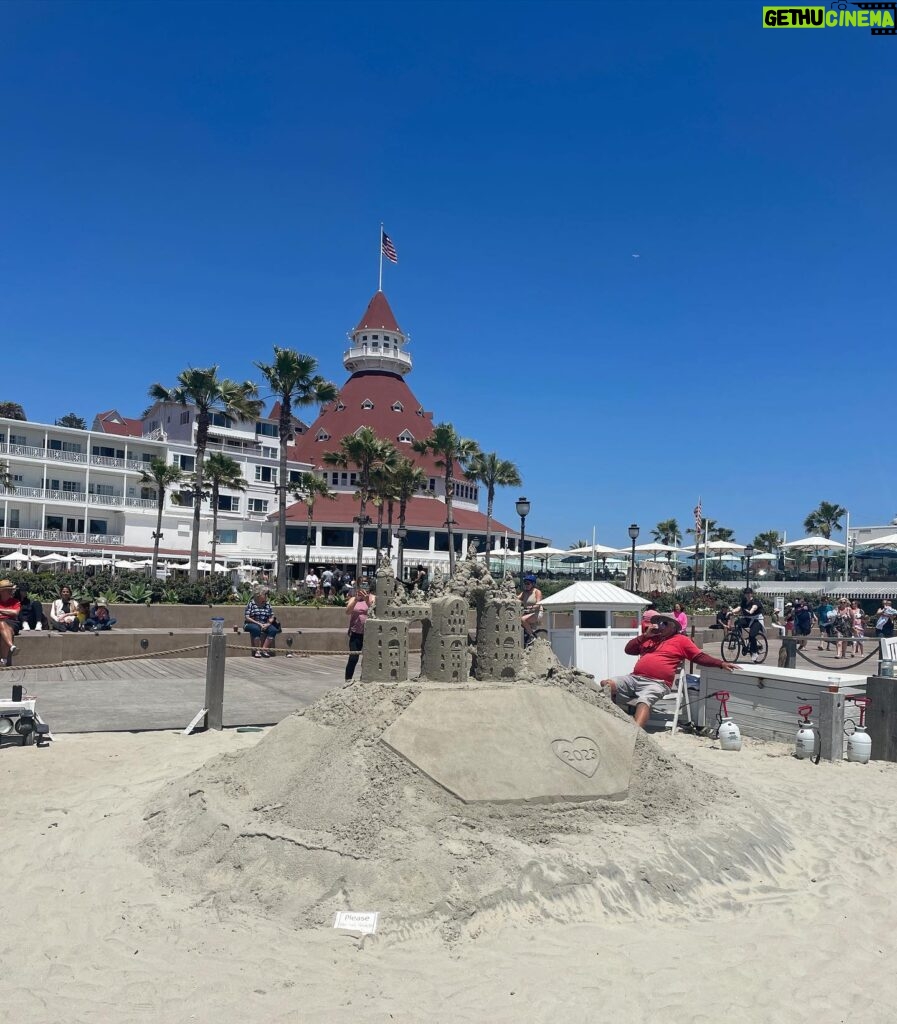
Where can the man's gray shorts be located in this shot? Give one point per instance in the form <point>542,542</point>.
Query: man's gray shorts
<point>641,689</point>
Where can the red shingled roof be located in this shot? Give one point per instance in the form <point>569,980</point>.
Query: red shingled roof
<point>422,513</point>
<point>384,390</point>
<point>112,422</point>
<point>378,316</point>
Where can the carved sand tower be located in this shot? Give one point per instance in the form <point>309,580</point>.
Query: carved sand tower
<point>499,649</point>
<point>385,651</point>
<point>444,652</point>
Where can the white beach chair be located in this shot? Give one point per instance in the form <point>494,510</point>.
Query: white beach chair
<point>678,697</point>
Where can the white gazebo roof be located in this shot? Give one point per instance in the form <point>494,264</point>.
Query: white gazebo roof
<point>597,592</point>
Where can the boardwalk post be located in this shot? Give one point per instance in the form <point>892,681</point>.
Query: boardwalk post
<point>789,646</point>
<point>215,681</point>
<point>831,725</point>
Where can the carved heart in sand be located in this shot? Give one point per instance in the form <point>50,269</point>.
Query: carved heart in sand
<point>581,754</point>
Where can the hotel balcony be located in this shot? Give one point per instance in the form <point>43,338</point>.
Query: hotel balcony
<point>62,536</point>
<point>76,497</point>
<point>28,451</point>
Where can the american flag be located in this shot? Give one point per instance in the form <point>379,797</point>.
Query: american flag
<point>699,517</point>
<point>388,249</point>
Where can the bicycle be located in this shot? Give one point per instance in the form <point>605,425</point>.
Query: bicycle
<point>737,644</point>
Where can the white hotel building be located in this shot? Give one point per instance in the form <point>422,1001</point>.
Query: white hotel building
<point>79,491</point>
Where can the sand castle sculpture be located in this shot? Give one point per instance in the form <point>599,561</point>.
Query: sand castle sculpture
<point>498,784</point>
<point>446,650</point>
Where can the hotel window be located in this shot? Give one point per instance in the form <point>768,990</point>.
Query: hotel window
<point>406,437</point>
<point>73,486</point>
<point>258,505</point>
<point>267,429</point>
<point>185,416</point>
<point>322,435</point>
<point>340,407</point>
<point>268,453</point>
<point>398,407</point>
<point>56,446</point>
<point>226,503</point>
<point>265,474</point>
<point>107,489</point>
<point>432,484</point>
<point>216,419</point>
<point>334,479</point>
<point>14,518</point>
<point>374,337</point>
<point>353,479</point>
<point>97,526</point>
<point>367,404</point>
<point>186,462</point>
<point>227,536</point>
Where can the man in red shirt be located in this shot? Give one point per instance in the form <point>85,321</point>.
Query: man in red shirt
<point>10,606</point>
<point>661,650</point>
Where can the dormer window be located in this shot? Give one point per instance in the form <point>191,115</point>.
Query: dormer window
<point>406,437</point>
<point>340,407</point>
<point>420,410</point>
<point>367,404</point>
<point>398,407</point>
<point>322,435</point>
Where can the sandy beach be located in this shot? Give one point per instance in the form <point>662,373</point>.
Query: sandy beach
<point>92,934</point>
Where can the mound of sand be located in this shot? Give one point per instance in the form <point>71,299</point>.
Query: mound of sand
<point>321,816</point>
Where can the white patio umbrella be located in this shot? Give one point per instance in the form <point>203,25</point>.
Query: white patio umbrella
<point>721,545</point>
<point>52,559</point>
<point>889,541</point>
<point>655,548</point>
<point>546,552</point>
<point>15,556</point>
<point>598,550</point>
<point>813,544</point>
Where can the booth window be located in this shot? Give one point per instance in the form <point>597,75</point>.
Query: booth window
<point>589,619</point>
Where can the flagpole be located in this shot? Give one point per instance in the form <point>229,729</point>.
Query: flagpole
<point>706,534</point>
<point>380,285</point>
<point>593,554</point>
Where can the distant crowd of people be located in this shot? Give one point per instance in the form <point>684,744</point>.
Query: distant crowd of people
<point>842,625</point>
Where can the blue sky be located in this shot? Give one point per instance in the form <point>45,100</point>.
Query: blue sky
<point>190,184</point>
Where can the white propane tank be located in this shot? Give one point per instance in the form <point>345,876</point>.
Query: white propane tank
<point>859,746</point>
<point>805,741</point>
<point>729,735</point>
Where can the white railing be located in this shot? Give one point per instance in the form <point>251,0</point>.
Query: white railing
<point>105,499</point>
<point>54,455</point>
<point>140,503</point>
<point>24,449</point>
<point>63,536</point>
<point>107,460</point>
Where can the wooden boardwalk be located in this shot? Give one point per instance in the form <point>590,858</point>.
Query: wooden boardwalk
<point>165,693</point>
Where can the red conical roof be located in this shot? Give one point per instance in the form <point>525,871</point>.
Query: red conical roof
<point>378,316</point>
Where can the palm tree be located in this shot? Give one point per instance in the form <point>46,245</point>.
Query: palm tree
<point>768,541</point>
<point>294,382</point>
<point>221,471</point>
<point>407,480</point>
<point>667,532</point>
<point>577,544</point>
<point>161,475</point>
<point>824,520</point>
<point>367,453</point>
<point>488,469</point>
<point>209,393</point>
<point>449,447</point>
<point>309,488</point>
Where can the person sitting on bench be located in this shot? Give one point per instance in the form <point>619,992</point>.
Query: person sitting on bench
<point>260,622</point>
<point>9,619</point>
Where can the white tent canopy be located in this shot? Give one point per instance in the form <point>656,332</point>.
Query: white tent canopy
<point>598,550</point>
<point>655,548</point>
<point>15,556</point>
<point>52,559</point>
<point>721,545</point>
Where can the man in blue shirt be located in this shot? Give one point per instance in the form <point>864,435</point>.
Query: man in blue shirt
<point>825,616</point>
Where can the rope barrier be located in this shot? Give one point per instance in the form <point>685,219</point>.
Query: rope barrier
<point>144,656</point>
<point>828,668</point>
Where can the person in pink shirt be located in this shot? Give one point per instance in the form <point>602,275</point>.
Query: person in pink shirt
<point>680,616</point>
<point>661,650</point>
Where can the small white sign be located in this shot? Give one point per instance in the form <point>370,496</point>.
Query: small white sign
<point>363,921</point>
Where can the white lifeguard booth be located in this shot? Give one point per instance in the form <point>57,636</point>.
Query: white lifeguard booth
<point>589,625</point>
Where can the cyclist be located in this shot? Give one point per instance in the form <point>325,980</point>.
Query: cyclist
<point>750,617</point>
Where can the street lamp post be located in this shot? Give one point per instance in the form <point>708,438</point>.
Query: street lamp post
<point>633,536</point>
<point>401,533</point>
<point>523,507</point>
<point>748,554</point>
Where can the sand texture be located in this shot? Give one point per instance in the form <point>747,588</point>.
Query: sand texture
<point>160,878</point>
